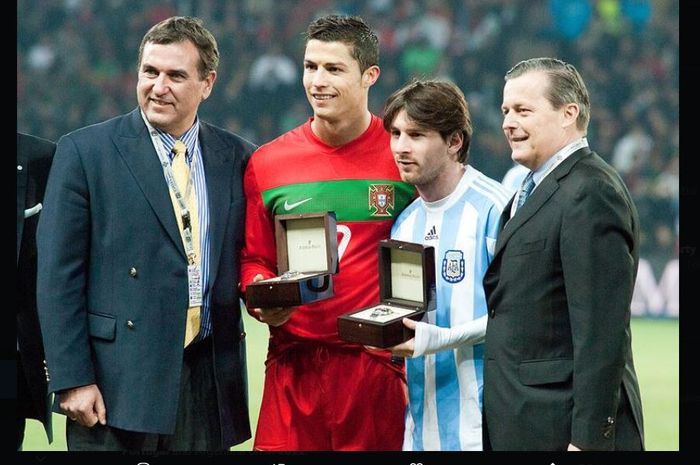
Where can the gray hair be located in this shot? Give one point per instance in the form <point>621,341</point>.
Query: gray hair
<point>565,85</point>
<point>179,29</point>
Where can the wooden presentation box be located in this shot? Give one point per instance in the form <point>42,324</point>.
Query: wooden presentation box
<point>406,289</point>
<point>307,256</point>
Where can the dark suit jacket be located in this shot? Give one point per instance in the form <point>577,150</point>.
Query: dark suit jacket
<point>113,275</point>
<point>33,164</point>
<point>558,359</point>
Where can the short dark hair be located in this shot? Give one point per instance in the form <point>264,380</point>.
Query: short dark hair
<point>436,105</point>
<point>565,85</point>
<point>350,30</point>
<point>179,29</point>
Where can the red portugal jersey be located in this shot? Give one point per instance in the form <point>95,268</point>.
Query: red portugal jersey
<point>359,181</point>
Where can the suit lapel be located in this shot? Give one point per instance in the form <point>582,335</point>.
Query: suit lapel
<point>135,147</point>
<point>539,197</point>
<point>218,170</point>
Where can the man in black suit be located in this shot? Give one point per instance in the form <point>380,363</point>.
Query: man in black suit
<point>559,373</point>
<point>33,163</point>
<point>138,258</point>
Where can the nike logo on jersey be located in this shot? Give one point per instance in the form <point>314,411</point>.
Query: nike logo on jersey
<point>290,206</point>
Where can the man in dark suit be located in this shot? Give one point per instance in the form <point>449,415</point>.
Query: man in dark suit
<point>33,164</point>
<point>130,254</point>
<point>559,373</point>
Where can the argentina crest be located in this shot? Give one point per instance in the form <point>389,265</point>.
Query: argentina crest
<point>381,199</point>
<point>453,266</point>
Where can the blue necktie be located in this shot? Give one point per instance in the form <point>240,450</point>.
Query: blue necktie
<point>526,190</point>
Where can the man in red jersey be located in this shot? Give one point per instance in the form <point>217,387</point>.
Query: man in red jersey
<point>322,393</point>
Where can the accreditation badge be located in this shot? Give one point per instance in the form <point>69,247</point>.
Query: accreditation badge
<point>194,280</point>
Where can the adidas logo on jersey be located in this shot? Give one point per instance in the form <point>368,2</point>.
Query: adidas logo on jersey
<point>432,234</point>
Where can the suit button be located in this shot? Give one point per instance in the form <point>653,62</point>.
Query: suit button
<point>492,312</point>
<point>130,324</point>
<point>243,335</point>
<point>611,421</point>
<point>19,168</point>
<point>133,272</point>
<point>607,434</point>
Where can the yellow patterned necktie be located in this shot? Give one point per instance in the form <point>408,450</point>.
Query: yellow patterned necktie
<point>181,172</point>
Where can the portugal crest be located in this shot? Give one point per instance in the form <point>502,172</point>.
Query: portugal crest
<point>453,266</point>
<point>381,199</point>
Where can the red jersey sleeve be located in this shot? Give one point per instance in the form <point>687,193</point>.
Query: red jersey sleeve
<point>259,255</point>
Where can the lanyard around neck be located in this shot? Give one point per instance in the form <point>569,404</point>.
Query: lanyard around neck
<point>559,158</point>
<point>185,215</point>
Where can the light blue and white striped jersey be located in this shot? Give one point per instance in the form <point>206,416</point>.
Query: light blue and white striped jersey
<point>445,388</point>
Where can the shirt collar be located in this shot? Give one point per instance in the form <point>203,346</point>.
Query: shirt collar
<point>557,158</point>
<point>190,139</point>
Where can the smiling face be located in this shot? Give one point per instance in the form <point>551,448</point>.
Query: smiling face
<point>535,129</point>
<point>335,86</point>
<point>169,88</point>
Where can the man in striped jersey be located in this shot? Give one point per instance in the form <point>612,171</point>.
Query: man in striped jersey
<point>457,213</point>
<point>322,393</point>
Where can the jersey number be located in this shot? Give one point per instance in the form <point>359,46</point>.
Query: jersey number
<point>345,235</point>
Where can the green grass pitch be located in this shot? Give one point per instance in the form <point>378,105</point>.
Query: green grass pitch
<point>655,346</point>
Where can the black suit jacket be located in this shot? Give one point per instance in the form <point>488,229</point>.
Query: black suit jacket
<point>558,358</point>
<point>113,275</point>
<point>33,163</point>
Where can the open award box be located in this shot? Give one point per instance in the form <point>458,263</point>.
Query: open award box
<point>406,290</point>
<point>307,256</point>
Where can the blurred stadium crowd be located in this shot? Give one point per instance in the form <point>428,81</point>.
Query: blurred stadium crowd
<point>76,65</point>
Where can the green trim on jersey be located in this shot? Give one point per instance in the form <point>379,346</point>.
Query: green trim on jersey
<point>352,200</point>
